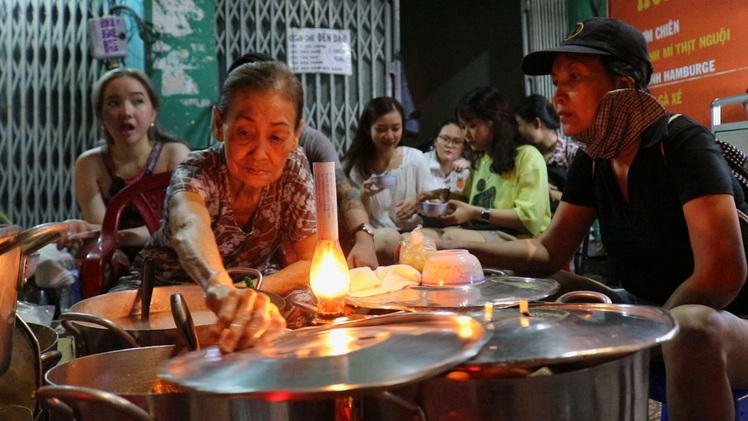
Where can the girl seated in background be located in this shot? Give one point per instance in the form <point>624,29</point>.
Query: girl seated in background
<point>538,124</point>
<point>376,150</point>
<point>506,194</point>
<point>448,167</point>
<point>133,147</point>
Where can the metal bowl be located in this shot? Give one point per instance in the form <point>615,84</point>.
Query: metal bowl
<point>432,209</point>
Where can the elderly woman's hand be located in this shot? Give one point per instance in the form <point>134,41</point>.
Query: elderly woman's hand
<point>245,317</point>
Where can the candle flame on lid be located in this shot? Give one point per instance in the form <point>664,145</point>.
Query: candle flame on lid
<point>524,307</point>
<point>488,311</point>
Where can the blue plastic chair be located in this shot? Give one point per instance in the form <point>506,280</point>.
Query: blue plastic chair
<point>657,393</point>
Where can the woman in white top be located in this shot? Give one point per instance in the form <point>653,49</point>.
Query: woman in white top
<point>448,167</point>
<point>376,150</point>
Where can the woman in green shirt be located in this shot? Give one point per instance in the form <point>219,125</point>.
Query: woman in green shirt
<point>506,194</point>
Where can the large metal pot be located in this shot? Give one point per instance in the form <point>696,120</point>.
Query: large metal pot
<point>113,321</point>
<point>47,339</point>
<point>132,374</point>
<point>15,247</point>
<point>557,362</point>
<point>612,390</point>
<point>23,376</point>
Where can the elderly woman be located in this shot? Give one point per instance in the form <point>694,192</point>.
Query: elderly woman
<point>667,204</point>
<point>232,204</point>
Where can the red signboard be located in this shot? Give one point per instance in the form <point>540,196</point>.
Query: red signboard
<point>698,50</point>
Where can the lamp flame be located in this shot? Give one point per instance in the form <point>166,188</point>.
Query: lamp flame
<point>328,276</point>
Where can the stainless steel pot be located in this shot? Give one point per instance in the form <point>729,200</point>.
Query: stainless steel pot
<point>614,390</point>
<point>557,362</point>
<point>24,375</point>
<point>15,247</point>
<point>10,265</point>
<point>113,321</point>
<point>132,374</point>
<point>47,339</point>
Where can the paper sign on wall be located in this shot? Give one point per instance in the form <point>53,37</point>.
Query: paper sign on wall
<point>317,50</point>
<point>108,37</point>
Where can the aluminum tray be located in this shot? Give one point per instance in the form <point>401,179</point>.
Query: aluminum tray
<point>502,291</point>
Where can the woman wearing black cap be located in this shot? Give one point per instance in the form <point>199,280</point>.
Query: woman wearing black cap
<point>666,201</point>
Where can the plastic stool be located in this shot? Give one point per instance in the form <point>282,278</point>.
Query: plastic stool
<point>657,393</point>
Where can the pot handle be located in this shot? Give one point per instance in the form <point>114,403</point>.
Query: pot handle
<point>67,319</point>
<point>415,410</point>
<point>584,297</point>
<point>49,359</point>
<point>494,272</point>
<point>65,399</point>
<point>248,271</point>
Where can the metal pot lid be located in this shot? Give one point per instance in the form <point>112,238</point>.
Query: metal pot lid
<point>339,359</point>
<point>556,333</point>
<point>502,291</point>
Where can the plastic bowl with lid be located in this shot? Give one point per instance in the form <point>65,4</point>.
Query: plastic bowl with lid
<point>452,267</point>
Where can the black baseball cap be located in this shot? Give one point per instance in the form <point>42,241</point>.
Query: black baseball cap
<point>252,57</point>
<point>601,36</point>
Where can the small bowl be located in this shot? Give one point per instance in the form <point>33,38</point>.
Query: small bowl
<point>384,181</point>
<point>432,209</point>
<point>452,267</point>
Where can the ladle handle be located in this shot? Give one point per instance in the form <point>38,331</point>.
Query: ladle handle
<point>183,320</point>
<point>147,288</point>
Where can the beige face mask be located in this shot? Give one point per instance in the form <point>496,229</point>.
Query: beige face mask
<point>621,118</point>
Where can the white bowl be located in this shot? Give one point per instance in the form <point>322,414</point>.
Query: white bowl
<point>452,267</point>
<point>384,181</point>
<point>432,209</point>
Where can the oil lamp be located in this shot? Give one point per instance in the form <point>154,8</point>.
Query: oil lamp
<point>328,277</point>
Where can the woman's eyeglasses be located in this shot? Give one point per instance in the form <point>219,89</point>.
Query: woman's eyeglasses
<point>456,141</point>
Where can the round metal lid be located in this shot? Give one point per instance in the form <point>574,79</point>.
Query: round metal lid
<point>556,333</point>
<point>502,291</point>
<point>336,359</point>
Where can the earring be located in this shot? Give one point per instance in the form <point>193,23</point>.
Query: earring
<point>153,123</point>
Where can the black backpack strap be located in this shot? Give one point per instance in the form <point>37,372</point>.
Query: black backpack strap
<point>736,159</point>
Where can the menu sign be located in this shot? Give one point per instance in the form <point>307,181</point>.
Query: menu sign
<point>317,50</point>
<point>697,50</point>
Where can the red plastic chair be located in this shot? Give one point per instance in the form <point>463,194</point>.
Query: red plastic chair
<point>93,269</point>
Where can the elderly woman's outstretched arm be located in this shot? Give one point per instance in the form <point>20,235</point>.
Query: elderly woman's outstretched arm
<point>244,316</point>
<point>295,275</point>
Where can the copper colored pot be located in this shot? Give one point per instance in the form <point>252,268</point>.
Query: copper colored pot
<point>113,321</point>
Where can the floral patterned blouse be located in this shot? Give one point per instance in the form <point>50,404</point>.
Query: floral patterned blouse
<point>286,211</point>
